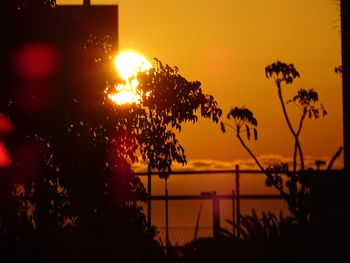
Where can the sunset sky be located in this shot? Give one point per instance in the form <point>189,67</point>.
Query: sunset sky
<point>226,45</point>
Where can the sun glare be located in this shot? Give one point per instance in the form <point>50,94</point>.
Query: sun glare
<point>128,64</point>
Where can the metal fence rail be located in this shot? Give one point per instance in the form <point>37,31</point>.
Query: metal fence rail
<point>208,197</point>
<point>235,196</point>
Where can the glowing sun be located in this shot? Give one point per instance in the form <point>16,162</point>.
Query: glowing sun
<point>128,64</point>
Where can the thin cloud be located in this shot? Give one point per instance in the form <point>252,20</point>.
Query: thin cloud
<point>244,164</point>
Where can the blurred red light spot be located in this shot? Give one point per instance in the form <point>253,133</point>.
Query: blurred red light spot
<point>36,61</point>
<point>5,125</point>
<point>4,156</point>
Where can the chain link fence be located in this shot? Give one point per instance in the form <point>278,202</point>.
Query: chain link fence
<point>181,235</point>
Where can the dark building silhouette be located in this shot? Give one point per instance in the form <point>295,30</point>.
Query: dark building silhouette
<point>87,32</point>
<point>62,42</point>
<point>54,70</point>
<point>54,65</point>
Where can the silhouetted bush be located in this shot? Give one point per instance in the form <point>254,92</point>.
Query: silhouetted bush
<point>264,239</point>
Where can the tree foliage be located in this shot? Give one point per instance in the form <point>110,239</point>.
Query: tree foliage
<point>168,101</point>
<point>282,72</point>
<point>73,183</point>
<point>339,70</point>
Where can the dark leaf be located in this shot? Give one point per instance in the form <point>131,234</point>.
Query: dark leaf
<point>222,126</point>
<point>255,134</point>
<point>248,131</point>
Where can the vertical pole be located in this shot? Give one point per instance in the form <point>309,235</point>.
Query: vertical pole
<point>238,208</point>
<point>166,214</point>
<point>87,3</point>
<point>233,214</point>
<point>345,43</point>
<point>149,200</point>
<point>216,215</point>
<point>195,234</point>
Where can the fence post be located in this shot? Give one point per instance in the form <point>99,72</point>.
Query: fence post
<point>216,215</point>
<point>233,214</point>
<point>166,214</point>
<point>238,208</point>
<point>149,201</point>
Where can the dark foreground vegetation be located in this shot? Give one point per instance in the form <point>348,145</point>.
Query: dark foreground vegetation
<point>265,238</point>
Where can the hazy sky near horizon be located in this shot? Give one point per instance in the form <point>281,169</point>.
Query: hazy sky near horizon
<point>226,44</point>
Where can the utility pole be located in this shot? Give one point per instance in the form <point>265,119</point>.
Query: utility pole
<point>345,43</point>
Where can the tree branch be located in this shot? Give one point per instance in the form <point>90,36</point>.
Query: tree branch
<point>284,109</point>
<point>301,122</point>
<point>251,153</point>
<point>300,153</point>
<point>297,143</point>
<point>335,156</point>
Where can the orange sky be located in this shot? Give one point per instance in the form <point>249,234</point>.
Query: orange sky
<point>226,45</point>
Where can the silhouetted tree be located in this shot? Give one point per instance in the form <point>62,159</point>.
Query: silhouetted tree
<point>72,187</point>
<point>294,184</point>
